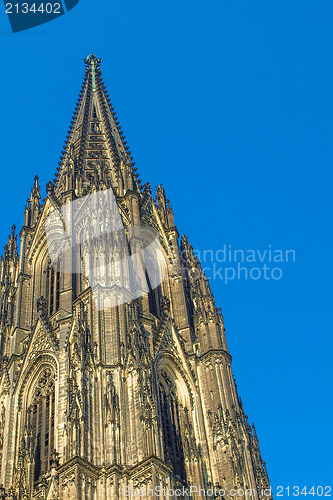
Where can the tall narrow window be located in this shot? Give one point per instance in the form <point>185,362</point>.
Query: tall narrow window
<point>153,278</point>
<point>78,275</point>
<point>51,294</point>
<point>48,275</point>
<point>172,440</point>
<point>42,423</point>
<point>53,289</point>
<point>57,290</point>
<point>154,296</point>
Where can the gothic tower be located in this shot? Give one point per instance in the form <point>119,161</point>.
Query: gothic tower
<point>103,402</point>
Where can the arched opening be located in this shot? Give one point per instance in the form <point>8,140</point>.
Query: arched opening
<point>155,271</point>
<point>53,288</point>
<point>170,409</point>
<point>154,297</point>
<point>41,423</point>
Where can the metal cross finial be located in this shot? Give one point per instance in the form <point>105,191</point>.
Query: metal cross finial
<point>92,63</point>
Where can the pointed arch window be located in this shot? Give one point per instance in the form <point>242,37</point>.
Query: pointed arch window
<point>53,288</point>
<point>171,425</point>
<point>40,425</point>
<point>152,278</point>
<point>154,297</point>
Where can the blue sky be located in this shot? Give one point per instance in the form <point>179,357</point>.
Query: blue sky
<point>228,103</point>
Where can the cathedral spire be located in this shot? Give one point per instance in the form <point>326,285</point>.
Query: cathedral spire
<point>105,315</point>
<point>95,151</point>
<point>9,260</point>
<point>11,247</point>
<point>35,202</point>
<point>32,208</point>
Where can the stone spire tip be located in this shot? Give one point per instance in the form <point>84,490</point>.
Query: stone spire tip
<point>92,61</point>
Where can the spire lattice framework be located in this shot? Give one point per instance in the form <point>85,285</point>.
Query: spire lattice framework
<point>98,403</point>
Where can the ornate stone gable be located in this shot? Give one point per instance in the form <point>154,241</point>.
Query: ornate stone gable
<point>40,343</point>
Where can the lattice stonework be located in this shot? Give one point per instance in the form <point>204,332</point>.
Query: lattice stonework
<point>40,344</point>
